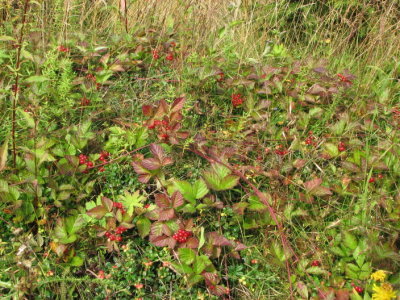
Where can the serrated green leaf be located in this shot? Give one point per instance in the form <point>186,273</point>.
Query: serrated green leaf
<point>200,188</point>
<point>201,263</point>
<point>186,255</point>
<point>349,240</point>
<point>130,201</point>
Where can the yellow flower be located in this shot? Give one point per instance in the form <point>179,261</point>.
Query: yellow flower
<point>383,292</point>
<point>379,275</point>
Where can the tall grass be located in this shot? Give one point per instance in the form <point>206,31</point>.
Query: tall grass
<point>369,30</point>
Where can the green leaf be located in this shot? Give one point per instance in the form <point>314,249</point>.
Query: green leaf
<point>229,182</point>
<point>36,78</point>
<point>30,122</point>
<point>202,238</point>
<point>186,190</point>
<point>350,241</point>
<point>201,263</point>
<point>74,223</point>
<point>218,178</point>
<point>143,225</point>
<point>130,201</point>
<point>332,149</point>
<point>194,278</point>
<point>3,154</point>
<point>76,261</point>
<point>200,188</point>
<point>316,271</point>
<point>186,255</point>
<point>255,204</point>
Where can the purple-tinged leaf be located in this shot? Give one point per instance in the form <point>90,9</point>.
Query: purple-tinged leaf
<point>163,241</point>
<point>162,201</point>
<point>151,164</point>
<point>167,214</point>
<point>177,105</point>
<point>107,203</point>
<point>97,212</point>
<point>177,199</point>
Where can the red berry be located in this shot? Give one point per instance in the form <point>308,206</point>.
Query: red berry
<point>89,164</point>
<point>118,238</point>
<point>341,147</point>
<point>101,169</point>
<point>155,54</point>
<point>371,180</point>
<point>170,56</point>
<point>181,235</point>
<point>146,205</point>
<point>316,263</point>
<point>236,99</point>
<point>358,289</point>
<point>380,176</point>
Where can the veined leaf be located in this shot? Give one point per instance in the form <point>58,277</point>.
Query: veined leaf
<point>186,255</point>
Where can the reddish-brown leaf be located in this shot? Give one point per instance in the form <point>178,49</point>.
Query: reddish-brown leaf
<point>151,164</point>
<point>97,212</point>
<point>147,110</point>
<point>162,201</point>
<point>178,103</point>
<point>167,214</point>
<point>177,199</point>
<point>309,185</point>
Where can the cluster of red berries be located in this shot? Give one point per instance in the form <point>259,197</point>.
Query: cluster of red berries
<point>237,99</point>
<point>104,155</point>
<point>358,289</point>
<point>315,263</point>
<point>170,56</point>
<point>113,237</point>
<point>310,140</point>
<point>181,236</point>
<point>63,49</point>
<point>156,55</point>
<point>83,160</point>
<point>372,179</point>
<point>85,101</point>
<point>162,126</point>
<point>118,205</point>
<point>341,147</point>
<point>117,236</point>
<point>280,150</point>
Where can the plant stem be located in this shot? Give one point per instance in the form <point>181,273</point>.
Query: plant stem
<point>16,85</point>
